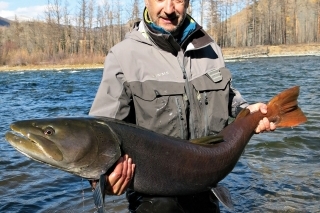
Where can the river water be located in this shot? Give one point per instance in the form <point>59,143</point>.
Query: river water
<point>279,171</point>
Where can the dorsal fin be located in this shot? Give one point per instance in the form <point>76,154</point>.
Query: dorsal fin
<point>211,139</point>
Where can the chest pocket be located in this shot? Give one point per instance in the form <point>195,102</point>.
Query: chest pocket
<point>155,105</point>
<point>212,102</point>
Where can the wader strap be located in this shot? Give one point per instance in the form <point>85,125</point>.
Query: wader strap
<point>98,194</point>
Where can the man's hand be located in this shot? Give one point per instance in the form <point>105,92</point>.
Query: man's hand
<point>119,180</point>
<point>264,124</point>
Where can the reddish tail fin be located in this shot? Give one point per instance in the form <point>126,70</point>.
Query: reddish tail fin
<point>283,109</point>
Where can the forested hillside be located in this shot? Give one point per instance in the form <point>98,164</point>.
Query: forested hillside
<point>83,35</point>
<point>268,22</point>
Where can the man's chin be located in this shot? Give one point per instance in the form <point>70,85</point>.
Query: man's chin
<point>170,29</point>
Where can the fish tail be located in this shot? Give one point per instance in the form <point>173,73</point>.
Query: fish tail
<point>283,109</point>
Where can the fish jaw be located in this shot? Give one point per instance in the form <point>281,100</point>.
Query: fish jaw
<point>34,146</point>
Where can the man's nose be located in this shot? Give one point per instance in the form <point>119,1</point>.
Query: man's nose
<point>169,6</point>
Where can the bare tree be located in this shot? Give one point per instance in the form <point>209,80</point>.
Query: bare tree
<point>202,9</point>
<point>135,10</point>
<point>90,26</point>
<point>68,43</point>
<point>212,19</point>
<point>82,24</point>
<point>118,33</point>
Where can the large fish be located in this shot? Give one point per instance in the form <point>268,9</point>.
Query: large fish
<point>89,146</point>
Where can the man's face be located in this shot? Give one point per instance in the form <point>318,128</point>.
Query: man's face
<point>168,14</point>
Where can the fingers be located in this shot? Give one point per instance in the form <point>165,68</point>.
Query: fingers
<point>272,126</point>
<point>263,108</point>
<point>265,125</point>
<point>119,180</point>
<point>128,177</point>
<point>258,107</point>
<point>120,175</point>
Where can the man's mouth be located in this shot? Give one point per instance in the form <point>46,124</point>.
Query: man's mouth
<point>167,20</point>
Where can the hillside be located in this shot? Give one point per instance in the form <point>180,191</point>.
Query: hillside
<point>271,23</point>
<point>4,22</point>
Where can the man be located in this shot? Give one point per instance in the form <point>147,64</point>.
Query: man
<point>169,76</point>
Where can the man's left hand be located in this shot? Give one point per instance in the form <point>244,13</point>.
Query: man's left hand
<point>264,124</point>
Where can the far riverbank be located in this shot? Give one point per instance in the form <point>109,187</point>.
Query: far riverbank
<point>51,67</point>
<point>229,54</point>
<point>272,51</point>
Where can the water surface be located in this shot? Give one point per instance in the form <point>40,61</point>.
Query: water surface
<point>279,171</point>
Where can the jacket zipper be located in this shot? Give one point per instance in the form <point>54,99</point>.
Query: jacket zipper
<point>180,118</point>
<point>205,109</point>
<point>190,99</point>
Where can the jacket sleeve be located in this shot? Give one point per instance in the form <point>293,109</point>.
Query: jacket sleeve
<point>114,95</point>
<point>237,102</point>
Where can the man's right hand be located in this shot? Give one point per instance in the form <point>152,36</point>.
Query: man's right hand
<point>119,180</point>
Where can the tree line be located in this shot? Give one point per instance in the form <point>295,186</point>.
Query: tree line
<point>265,22</point>
<point>84,35</point>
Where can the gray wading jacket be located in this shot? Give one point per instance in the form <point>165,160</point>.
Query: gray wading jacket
<point>182,91</point>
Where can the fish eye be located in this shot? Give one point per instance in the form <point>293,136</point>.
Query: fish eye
<point>48,131</point>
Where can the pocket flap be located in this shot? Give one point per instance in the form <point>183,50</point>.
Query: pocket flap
<point>150,90</point>
<point>220,80</point>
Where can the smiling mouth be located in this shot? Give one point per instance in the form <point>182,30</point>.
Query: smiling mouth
<point>171,19</point>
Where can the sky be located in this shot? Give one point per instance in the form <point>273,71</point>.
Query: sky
<point>35,9</point>
<point>22,8</point>
<point>32,9</point>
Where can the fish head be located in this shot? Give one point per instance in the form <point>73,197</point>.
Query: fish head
<point>77,145</point>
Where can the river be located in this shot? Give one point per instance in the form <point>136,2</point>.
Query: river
<point>278,172</point>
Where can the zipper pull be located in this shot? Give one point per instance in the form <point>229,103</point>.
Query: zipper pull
<point>157,93</point>
<point>205,99</point>
<point>184,75</point>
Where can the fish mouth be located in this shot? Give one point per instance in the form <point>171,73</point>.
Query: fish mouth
<point>33,145</point>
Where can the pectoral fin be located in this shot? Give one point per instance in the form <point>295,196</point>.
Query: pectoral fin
<point>99,194</point>
<point>224,196</point>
